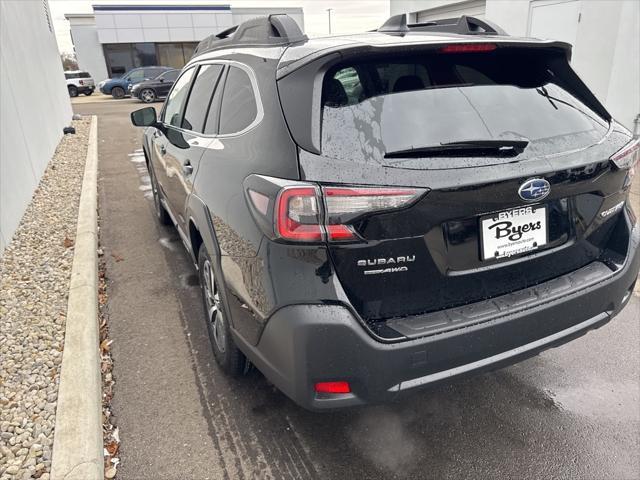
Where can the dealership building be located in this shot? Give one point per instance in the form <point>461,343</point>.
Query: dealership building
<point>116,38</point>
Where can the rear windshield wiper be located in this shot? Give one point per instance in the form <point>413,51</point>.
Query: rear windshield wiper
<point>467,148</point>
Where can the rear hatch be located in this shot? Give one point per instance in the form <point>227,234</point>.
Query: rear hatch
<point>507,152</point>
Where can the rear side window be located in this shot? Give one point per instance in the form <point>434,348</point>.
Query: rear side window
<point>175,100</point>
<point>170,76</point>
<point>70,76</point>
<point>200,97</point>
<point>239,107</point>
<point>375,107</point>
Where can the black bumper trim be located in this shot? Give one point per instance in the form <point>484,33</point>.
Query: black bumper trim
<point>535,346</point>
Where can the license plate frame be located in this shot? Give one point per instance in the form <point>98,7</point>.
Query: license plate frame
<point>510,245</point>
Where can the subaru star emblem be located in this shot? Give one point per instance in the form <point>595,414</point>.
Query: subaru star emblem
<point>534,189</point>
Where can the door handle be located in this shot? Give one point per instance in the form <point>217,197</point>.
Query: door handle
<point>187,168</point>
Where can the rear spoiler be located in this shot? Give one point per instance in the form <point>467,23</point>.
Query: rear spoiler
<point>300,79</point>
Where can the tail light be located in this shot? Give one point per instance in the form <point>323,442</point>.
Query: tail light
<point>346,204</point>
<point>298,214</point>
<point>81,82</point>
<point>305,212</point>
<point>627,159</point>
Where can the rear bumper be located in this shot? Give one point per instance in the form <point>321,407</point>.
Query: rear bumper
<point>86,88</point>
<point>305,344</point>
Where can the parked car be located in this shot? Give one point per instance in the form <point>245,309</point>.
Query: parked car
<point>151,90</point>
<point>119,87</point>
<point>79,82</point>
<point>458,204</point>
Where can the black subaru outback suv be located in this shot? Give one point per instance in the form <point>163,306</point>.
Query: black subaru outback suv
<point>378,212</point>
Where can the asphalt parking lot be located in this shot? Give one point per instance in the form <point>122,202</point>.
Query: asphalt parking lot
<point>572,412</point>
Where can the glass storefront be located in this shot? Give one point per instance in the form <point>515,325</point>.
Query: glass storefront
<point>175,55</point>
<point>122,57</point>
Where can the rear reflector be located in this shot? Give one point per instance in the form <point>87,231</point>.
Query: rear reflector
<point>332,387</point>
<point>468,48</point>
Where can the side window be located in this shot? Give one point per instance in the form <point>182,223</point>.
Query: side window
<point>152,72</point>
<point>175,100</point>
<point>170,76</point>
<point>213,116</point>
<point>239,108</point>
<point>84,75</point>
<point>200,97</point>
<point>136,75</point>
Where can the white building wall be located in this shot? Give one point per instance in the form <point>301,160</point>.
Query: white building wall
<point>34,109</point>
<point>606,46</point>
<point>159,26</point>
<point>88,49</point>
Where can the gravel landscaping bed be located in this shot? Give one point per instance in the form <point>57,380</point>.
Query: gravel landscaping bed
<point>34,276</point>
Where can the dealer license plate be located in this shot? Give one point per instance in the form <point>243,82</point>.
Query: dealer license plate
<point>513,232</point>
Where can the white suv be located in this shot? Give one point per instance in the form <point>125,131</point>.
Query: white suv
<point>79,82</point>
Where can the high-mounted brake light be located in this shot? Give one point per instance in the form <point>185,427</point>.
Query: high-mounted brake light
<point>468,48</point>
<point>332,387</point>
<point>312,214</point>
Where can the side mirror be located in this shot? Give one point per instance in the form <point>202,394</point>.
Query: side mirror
<point>145,117</point>
<point>161,80</point>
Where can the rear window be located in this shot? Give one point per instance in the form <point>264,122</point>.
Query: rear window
<point>84,75</point>
<point>385,105</point>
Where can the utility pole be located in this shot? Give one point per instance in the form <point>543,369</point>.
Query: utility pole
<point>329,10</point>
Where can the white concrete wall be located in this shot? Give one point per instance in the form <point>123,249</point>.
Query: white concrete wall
<point>35,106</point>
<point>129,26</point>
<point>87,47</point>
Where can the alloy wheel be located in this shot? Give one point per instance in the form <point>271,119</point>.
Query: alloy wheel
<point>147,95</point>
<point>214,310</point>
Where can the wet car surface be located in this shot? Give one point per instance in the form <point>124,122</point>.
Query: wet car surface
<point>572,412</point>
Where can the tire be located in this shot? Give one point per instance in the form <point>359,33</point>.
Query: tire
<point>148,95</point>
<point>229,357</point>
<point>88,92</point>
<point>160,212</point>
<point>117,92</point>
<point>73,90</point>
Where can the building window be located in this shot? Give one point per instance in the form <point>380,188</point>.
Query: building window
<point>122,57</point>
<point>175,55</point>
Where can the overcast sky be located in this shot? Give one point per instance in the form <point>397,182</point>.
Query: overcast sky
<point>347,16</point>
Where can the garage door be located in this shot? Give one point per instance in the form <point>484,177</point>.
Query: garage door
<point>474,9</point>
<point>555,20</point>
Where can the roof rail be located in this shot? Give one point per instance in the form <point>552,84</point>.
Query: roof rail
<point>463,25</point>
<point>276,29</point>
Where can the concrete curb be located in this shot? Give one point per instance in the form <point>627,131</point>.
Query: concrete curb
<point>77,441</point>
